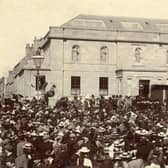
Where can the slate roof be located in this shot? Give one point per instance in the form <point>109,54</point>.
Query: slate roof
<point>118,23</point>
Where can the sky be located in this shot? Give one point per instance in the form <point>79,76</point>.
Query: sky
<point>22,20</point>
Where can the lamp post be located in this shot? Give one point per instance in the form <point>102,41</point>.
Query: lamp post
<point>38,60</point>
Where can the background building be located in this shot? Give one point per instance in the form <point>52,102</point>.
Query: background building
<point>2,87</point>
<point>99,55</point>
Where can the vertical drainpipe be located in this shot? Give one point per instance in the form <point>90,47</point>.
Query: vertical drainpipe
<point>63,66</point>
<point>117,79</point>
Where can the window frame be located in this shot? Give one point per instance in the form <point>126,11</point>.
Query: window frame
<point>103,86</point>
<point>75,85</point>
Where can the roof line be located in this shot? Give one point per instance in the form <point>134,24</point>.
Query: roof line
<point>121,17</point>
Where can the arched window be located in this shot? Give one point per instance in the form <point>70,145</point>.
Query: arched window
<point>75,53</point>
<point>104,54</point>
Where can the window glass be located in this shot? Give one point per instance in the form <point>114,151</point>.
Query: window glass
<point>103,86</point>
<point>75,85</point>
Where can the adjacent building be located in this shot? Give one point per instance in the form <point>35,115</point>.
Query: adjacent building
<point>2,87</point>
<point>98,55</point>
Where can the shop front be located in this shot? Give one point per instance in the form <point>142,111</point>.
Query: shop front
<point>159,92</point>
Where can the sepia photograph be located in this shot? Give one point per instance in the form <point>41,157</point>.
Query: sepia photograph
<point>84,84</point>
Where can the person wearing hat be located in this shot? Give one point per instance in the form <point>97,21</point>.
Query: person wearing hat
<point>156,160</point>
<point>120,160</point>
<point>84,159</point>
<point>61,158</point>
<point>143,155</point>
<point>20,145</point>
<point>7,155</point>
<point>49,93</point>
<point>44,145</point>
<point>25,160</point>
<point>137,163</point>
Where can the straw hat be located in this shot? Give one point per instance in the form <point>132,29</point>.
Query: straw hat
<point>143,132</point>
<point>77,131</point>
<point>33,133</point>
<point>87,96</point>
<point>159,125</point>
<point>161,134</point>
<point>60,133</point>
<point>43,133</point>
<point>101,129</point>
<point>125,155</point>
<point>84,150</point>
<point>27,146</point>
<point>117,143</point>
<point>61,124</point>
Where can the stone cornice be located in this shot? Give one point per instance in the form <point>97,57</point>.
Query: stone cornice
<point>141,70</point>
<point>105,35</point>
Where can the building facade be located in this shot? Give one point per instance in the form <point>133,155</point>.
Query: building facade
<point>2,87</point>
<point>101,56</point>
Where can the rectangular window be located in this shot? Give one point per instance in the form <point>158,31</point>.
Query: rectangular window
<point>75,85</point>
<point>40,81</point>
<point>103,86</point>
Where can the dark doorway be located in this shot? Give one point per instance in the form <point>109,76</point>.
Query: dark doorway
<point>144,88</point>
<point>159,92</point>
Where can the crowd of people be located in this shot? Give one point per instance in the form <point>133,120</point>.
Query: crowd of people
<point>89,132</point>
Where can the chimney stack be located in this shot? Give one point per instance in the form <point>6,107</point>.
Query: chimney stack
<point>28,50</point>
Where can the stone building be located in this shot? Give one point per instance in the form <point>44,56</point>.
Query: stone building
<point>100,55</point>
<point>2,87</point>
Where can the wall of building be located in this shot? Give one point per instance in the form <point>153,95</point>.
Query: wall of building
<point>2,86</point>
<point>121,56</point>
<point>55,64</point>
<point>89,67</point>
<point>130,80</point>
<point>153,56</point>
<point>124,68</point>
<point>153,66</point>
<point>89,82</point>
<point>62,67</point>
